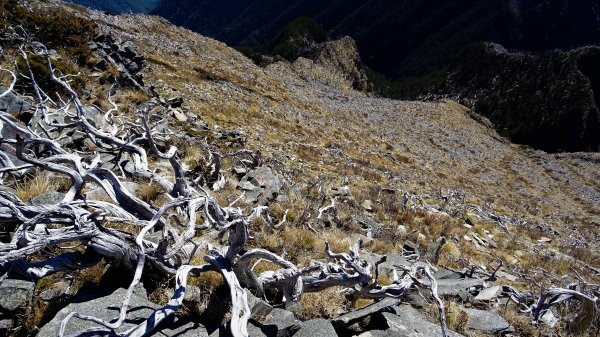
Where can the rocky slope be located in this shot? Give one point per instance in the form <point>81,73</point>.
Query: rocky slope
<point>407,176</point>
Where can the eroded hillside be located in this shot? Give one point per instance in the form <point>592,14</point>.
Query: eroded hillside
<point>399,174</point>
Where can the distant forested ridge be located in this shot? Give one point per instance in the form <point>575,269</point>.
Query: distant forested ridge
<point>399,38</point>
<point>119,6</point>
<point>440,48</point>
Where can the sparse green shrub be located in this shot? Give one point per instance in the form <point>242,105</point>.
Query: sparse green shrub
<point>40,71</point>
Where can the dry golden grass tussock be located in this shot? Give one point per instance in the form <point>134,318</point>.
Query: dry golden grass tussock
<point>339,241</point>
<point>298,240</point>
<point>132,96</point>
<point>384,247</point>
<point>40,184</point>
<point>521,322</point>
<point>456,317</point>
<point>124,227</point>
<point>150,192</point>
<point>449,254</point>
<point>324,304</point>
<point>208,281</point>
<point>161,295</point>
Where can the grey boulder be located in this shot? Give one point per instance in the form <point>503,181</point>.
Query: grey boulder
<point>107,308</point>
<point>487,321</point>
<point>15,294</point>
<point>409,322</point>
<point>49,198</point>
<point>316,328</point>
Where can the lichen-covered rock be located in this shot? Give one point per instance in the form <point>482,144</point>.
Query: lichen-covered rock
<point>15,294</point>
<point>316,328</point>
<point>487,321</point>
<point>409,322</point>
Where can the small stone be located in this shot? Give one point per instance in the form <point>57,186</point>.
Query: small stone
<point>179,115</point>
<point>284,321</point>
<point>343,191</point>
<point>488,322</point>
<point>316,328</point>
<point>519,253</point>
<point>258,307</point>
<point>544,240</point>
<point>507,276</point>
<point>489,294</point>
<point>247,186</point>
<point>5,326</point>
<point>240,171</point>
<point>55,291</point>
<point>401,230</point>
<point>367,205</point>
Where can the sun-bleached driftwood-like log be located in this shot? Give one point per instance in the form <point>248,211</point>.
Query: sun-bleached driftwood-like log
<point>539,308</point>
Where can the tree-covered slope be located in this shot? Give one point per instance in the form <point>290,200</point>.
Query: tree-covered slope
<point>399,38</point>
<point>119,6</point>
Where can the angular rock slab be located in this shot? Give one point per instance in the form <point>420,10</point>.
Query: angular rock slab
<point>261,182</point>
<point>489,294</point>
<point>381,333</point>
<point>258,307</point>
<point>487,321</point>
<point>409,322</point>
<point>356,315</point>
<point>316,328</point>
<point>15,294</point>
<point>189,329</point>
<point>107,308</point>
<point>279,323</point>
<point>284,320</point>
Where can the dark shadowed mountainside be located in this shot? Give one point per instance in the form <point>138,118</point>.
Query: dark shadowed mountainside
<point>402,38</point>
<point>119,6</point>
<point>548,99</point>
<point>413,48</point>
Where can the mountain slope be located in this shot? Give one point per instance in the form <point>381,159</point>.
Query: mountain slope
<point>422,45</point>
<point>548,100</point>
<point>331,165</point>
<point>310,128</point>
